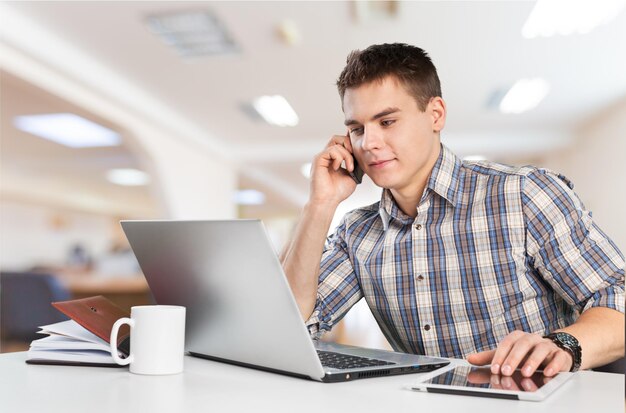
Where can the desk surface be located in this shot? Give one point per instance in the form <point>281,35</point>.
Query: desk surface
<point>211,386</point>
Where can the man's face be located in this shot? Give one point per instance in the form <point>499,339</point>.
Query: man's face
<point>395,143</point>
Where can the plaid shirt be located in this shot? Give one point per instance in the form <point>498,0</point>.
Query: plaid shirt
<point>493,249</point>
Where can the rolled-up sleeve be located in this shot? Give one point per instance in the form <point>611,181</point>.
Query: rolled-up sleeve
<point>568,249</point>
<point>338,287</point>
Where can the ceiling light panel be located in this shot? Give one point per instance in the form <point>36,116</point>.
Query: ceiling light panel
<point>128,177</point>
<point>67,129</point>
<point>276,110</point>
<point>193,33</point>
<point>249,197</point>
<point>524,95</point>
<point>565,17</point>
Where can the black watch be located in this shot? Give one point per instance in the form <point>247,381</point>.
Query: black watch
<point>568,343</point>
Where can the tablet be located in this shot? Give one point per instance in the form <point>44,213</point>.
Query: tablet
<point>478,381</point>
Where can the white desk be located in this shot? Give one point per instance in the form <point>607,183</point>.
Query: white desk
<point>208,386</point>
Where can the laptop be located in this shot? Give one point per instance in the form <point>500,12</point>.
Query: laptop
<point>240,308</point>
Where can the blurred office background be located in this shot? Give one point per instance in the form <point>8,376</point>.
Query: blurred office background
<point>173,92</point>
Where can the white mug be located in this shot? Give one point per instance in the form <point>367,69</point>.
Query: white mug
<point>157,339</point>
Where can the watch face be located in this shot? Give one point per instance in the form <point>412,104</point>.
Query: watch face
<point>567,339</point>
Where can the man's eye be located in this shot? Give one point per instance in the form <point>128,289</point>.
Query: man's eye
<point>387,122</point>
<point>356,131</point>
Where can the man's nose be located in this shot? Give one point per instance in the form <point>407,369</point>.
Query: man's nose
<point>372,139</point>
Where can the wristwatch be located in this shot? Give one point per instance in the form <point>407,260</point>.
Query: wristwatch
<point>568,343</point>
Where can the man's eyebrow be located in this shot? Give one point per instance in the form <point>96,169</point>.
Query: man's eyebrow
<point>379,115</point>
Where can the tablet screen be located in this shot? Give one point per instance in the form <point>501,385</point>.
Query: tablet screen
<point>481,377</point>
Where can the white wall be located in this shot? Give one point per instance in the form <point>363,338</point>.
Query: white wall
<point>596,164</point>
<point>191,182</point>
<point>43,235</point>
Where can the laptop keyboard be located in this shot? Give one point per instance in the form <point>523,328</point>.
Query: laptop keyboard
<point>345,361</point>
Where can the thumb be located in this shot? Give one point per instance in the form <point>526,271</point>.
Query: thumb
<point>482,358</point>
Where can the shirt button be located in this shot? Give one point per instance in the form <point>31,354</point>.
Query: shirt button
<point>418,226</point>
<point>427,327</point>
<point>420,277</point>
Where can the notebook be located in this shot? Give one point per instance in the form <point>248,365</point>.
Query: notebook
<point>83,340</point>
<point>240,308</point>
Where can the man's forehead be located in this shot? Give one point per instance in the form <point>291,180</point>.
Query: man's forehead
<point>366,101</point>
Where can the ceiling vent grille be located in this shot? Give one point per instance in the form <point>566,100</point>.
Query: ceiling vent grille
<point>193,33</point>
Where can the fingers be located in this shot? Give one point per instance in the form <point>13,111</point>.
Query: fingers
<point>339,149</point>
<point>503,350</point>
<point>482,358</point>
<point>338,154</point>
<point>343,140</point>
<point>540,353</point>
<point>519,346</point>
<point>528,352</point>
<point>562,361</point>
<point>338,142</point>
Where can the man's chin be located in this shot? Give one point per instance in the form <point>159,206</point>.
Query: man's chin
<point>383,182</point>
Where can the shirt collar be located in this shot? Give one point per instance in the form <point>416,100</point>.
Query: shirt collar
<point>443,180</point>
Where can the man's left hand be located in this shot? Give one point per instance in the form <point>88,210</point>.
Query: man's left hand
<point>527,351</point>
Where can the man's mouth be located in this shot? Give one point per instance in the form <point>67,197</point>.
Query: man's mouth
<point>380,164</point>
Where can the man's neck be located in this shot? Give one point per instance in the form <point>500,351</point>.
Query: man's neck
<point>408,206</point>
<point>409,196</point>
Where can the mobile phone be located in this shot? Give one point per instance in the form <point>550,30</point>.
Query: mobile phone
<point>357,173</point>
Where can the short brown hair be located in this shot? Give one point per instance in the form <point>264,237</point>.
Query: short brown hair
<point>409,64</point>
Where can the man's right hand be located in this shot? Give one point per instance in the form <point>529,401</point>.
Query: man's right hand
<point>330,183</point>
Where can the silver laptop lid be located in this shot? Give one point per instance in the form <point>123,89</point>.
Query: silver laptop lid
<point>239,304</point>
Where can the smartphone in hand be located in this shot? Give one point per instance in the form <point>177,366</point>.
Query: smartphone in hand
<point>357,173</point>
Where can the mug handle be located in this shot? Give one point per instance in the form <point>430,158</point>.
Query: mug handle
<point>113,341</point>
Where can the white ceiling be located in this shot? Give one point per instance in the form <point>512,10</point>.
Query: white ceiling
<point>476,46</point>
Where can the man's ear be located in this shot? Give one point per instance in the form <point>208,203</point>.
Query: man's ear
<point>438,112</point>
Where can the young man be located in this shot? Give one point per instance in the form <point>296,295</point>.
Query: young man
<point>498,264</point>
